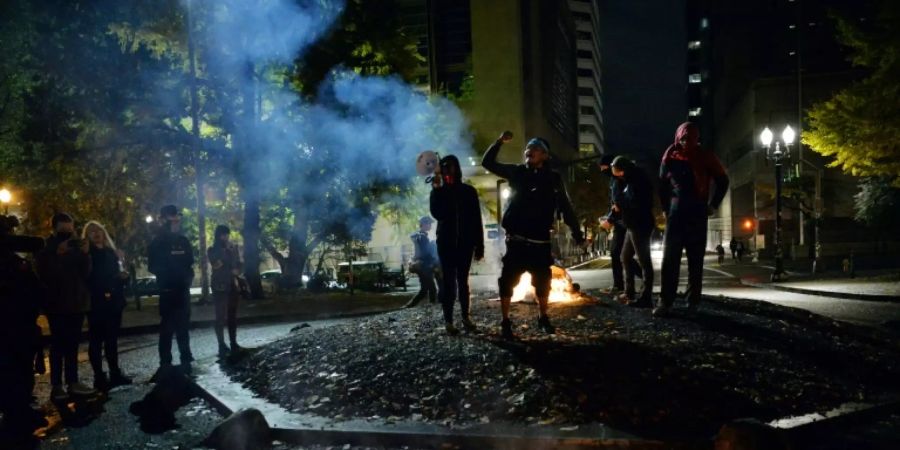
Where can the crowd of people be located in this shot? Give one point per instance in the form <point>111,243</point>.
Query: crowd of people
<point>83,276</point>
<point>80,277</point>
<point>691,185</point>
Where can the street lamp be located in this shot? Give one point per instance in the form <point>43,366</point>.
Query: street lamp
<point>5,198</point>
<point>777,155</point>
<point>148,219</point>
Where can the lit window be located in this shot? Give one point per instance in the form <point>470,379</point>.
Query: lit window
<point>792,53</point>
<point>694,112</point>
<point>792,26</point>
<point>704,23</point>
<point>694,78</point>
<point>693,45</point>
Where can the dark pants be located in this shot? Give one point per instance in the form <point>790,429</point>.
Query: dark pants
<point>175,312</point>
<point>615,255</point>
<point>637,242</point>
<point>16,375</point>
<point>522,257</point>
<point>687,233</point>
<point>427,287</point>
<point>104,323</point>
<point>455,265</point>
<point>65,332</point>
<point>226,314</point>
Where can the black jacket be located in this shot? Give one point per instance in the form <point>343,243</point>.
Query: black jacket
<point>636,200</point>
<point>458,214</point>
<point>171,258</point>
<point>537,195</point>
<point>106,285</point>
<point>64,277</point>
<point>615,190</point>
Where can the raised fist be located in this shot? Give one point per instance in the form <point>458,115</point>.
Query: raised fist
<point>506,136</point>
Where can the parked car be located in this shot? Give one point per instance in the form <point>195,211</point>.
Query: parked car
<point>145,287</point>
<point>270,280</point>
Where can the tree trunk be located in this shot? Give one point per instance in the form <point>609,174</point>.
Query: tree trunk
<point>298,250</point>
<point>199,174</point>
<point>251,245</point>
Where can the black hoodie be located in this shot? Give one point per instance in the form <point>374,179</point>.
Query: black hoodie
<point>455,206</point>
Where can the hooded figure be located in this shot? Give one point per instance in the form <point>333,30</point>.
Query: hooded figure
<point>614,225</point>
<point>460,237</point>
<point>684,192</point>
<point>635,204</point>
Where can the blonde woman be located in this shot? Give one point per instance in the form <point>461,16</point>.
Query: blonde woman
<point>107,286</point>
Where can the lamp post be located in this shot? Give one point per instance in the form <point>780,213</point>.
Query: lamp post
<point>5,198</point>
<point>777,155</point>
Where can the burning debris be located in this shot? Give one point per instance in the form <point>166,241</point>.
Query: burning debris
<point>562,289</point>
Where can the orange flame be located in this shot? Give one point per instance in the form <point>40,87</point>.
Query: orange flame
<point>561,287</point>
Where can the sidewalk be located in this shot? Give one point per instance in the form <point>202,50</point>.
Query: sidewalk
<point>874,285</point>
<point>278,308</point>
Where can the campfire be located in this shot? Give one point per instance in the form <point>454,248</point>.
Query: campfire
<point>561,287</point>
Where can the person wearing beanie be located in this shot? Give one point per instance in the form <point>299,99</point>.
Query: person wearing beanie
<point>226,268</point>
<point>170,257</point>
<point>424,263</point>
<point>635,205</point>
<point>612,223</point>
<point>460,238</point>
<point>686,174</point>
<point>537,194</point>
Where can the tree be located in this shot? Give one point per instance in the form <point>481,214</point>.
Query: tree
<point>877,203</point>
<point>860,125</point>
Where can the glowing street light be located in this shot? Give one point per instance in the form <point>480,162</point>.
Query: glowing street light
<point>5,198</point>
<point>505,193</point>
<point>148,219</point>
<point>777,155</point>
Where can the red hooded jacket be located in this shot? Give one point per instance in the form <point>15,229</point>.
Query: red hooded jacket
<point>686,171</point>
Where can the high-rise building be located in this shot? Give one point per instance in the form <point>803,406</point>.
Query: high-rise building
<point>590,104</point>
<point>752,65</point>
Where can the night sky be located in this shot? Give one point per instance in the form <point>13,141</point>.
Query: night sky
<point>643,48</point>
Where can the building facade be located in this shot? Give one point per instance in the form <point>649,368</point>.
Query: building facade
<point>752,65</point>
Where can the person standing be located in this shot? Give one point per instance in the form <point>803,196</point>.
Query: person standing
<point>613,224</point>
<point>171,258</point>
<point>537,194</point>
<point>20,290</point>
<point>226,268</point>
<point>460,237</point>
<point>635,204</point>
<point>424,263</point>
<point>740,251</point>
<point>720,251</point>
<point>64,267</point>
<point>107,285</point>
<point>733,247</point>
<point>685,174</point>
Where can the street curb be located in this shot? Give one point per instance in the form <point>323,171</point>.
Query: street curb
<point>843,295</point>
<point>266,318</point>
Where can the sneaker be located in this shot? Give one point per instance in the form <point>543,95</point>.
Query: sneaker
<point>101,383</point>
<point>544,324</point>
<point>58,394</point>
<point>80,390</point>
<point>451,330</point>
<point>469,325</point>
<point>662,310</point>
<point>506,330</point>
<point>117,378</point>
